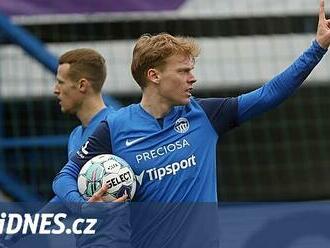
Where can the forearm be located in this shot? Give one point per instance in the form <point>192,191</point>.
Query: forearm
<point>280,87</point>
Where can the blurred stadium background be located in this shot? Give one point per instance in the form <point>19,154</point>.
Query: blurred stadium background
<point>284,155</point>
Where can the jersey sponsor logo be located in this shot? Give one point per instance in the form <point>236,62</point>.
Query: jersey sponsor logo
<point>171,169</point>
<point>132,142</point>
<point>161,151</point>
<point>139,178</point>
<point>181,125</point>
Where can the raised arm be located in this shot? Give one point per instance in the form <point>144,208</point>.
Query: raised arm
<point>275,91</point>
<point>284,85</point>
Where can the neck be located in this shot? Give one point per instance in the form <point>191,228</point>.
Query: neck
<point>155,105</point>
<point>89,109</point>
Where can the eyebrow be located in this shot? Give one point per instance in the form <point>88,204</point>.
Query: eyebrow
<point>184,68</point>
<point>59,80</point>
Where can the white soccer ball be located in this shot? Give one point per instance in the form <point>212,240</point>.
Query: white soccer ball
<point>107,168</point>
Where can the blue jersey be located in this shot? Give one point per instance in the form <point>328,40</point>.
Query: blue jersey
<point>175,159</point>
<point>181,153</point>
<point>178,154</point>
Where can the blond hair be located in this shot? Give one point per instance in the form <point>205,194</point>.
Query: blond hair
<point>151,51</point>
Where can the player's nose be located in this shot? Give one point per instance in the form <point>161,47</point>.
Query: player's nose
<point>192,79</point>
<point>56,89</point>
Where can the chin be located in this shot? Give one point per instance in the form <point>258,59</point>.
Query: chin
<point>64,110</point>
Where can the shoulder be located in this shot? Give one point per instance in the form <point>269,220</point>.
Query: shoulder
<point>109,110</point>
<point>122,113</point>
<point>75,136</point>
<point>75,131</point>
<point>104,113</point>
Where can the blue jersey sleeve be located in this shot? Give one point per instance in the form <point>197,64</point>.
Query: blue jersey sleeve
<point>222,112</point>
<point>280,87</point>
<point>65,182</point>
<point>71,146</point>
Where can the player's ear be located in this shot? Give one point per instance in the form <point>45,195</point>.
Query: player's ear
<point>153,75</point>
<point>83,84</point>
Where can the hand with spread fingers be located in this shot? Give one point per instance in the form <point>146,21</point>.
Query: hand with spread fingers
<point>323,28</point>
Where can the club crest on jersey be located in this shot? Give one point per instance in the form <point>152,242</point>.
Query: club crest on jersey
<point>181,125</point>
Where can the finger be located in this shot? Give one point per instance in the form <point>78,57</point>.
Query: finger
<point>97,196</point>
<point>123,198</point>
<point>322,11</point>
<point>101,191</point>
